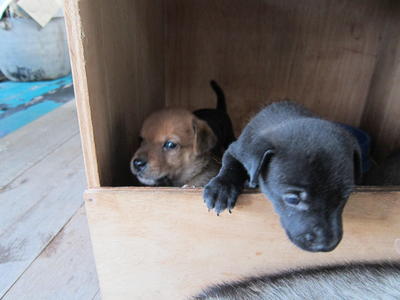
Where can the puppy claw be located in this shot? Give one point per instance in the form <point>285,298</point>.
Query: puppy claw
<point>220,194</point>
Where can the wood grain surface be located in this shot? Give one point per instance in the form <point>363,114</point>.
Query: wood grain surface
<point>163,244</point>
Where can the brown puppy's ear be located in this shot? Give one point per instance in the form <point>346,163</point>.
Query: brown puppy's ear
<point>204,137</point>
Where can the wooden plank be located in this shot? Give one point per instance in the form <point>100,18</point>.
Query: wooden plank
<point>75,37</point>
<point>36,206</point>
<point>152,244</point>
<point>31,144</point>
<point>319,53</point>
<point>64,270</point>
<point>119,76</point>
<point>382,111</point>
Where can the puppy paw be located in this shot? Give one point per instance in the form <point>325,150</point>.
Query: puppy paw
<point>220,194</point>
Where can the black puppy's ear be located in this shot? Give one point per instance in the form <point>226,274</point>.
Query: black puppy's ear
<point>255,167</point>
<point>253,154</point>
<point>204,137</point>
<point>357,166</point>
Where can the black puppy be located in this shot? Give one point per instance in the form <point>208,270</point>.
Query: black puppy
<point>219,121</point>
<point>305,165</point>
<point>386,173</point>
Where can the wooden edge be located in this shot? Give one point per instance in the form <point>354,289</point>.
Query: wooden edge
<point>127,189</point>
<point>76,35</point>
<point>141,238</point>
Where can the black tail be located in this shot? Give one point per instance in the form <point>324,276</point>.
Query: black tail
<point>221,105</point>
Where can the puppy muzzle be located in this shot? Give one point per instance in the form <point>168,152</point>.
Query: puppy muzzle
<point>141,169</point>
<point>317,239</point>
<point>139,164</point>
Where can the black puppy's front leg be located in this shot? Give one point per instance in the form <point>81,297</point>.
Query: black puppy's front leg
<point>223,190</point>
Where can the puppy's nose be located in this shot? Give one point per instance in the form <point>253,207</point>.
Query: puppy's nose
<point>309,237</point>
<point>139,164</point>
<point>320,240</point>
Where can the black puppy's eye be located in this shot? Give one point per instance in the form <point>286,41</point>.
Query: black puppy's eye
<point>168,145</point>
<point>291,199</point>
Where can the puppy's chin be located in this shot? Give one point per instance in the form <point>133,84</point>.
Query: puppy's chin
<point>162,181</point>
<point>147,181</point>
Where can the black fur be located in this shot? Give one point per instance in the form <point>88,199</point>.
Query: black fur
<point>219,121</point>
<point>221,105</point>
<point>386,173</point>
<point>305,165</point>
<point>347,281</point>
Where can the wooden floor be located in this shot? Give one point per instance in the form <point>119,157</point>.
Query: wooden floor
<point>45,250</point>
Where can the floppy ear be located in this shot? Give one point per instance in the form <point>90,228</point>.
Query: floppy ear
<point>257,165</point>
<point>204,137</point>
<point>253,158</point>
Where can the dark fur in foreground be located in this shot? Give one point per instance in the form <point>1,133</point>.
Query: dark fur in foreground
<point>305,165</point>
<point>351,281</point>
<point>386,173</point>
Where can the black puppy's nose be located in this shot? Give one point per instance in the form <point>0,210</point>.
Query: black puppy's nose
<point>309,237</point>
<point>319,240</point>
<point>139,164</point>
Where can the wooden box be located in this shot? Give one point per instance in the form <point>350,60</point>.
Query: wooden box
<point>340,58</point>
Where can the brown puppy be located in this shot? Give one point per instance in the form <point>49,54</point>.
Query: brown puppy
<point>181,148</point>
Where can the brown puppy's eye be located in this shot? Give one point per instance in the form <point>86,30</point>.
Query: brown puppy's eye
<point>168,145</point>
<point>140,139</point>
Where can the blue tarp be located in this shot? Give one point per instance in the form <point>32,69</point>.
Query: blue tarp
<point>23,102</point>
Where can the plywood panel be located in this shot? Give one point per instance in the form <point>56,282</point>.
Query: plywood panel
<point>382,112</point>
<point>163,244</point>
<point>320,53</point>
<point>118,66</point>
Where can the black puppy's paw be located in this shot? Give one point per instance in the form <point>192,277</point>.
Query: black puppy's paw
<point>220,194</point>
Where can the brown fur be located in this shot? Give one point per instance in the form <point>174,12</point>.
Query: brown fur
<point>190,163</point>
